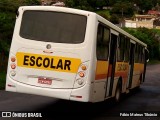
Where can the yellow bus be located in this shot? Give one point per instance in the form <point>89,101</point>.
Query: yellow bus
<point>72,54</point>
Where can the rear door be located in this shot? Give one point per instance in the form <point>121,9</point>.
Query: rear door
<point>112,63</point>
<point>131,64</point>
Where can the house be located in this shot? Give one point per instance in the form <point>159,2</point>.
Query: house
<point>61,4</point>
<point>154,12</point>
<point>140,21</point>
<point>130,24</point>
<point>51,2</point>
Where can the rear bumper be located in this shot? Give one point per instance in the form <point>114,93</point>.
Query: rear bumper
<point>14,86</point>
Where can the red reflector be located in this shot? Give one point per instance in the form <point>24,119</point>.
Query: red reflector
<point>10,85</point>
<point>76,96</point>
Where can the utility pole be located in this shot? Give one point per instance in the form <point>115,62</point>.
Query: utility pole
<point>121,22</point>
<point>122,12</point>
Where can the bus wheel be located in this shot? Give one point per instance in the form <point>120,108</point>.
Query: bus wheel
<point>118,93</point>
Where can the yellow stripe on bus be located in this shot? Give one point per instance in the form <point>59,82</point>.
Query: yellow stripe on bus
<point>138,66</point>
<point>54,63</point>
<point>101,70</point>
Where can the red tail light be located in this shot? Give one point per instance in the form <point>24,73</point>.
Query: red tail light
<point>13,66</point>
<point>81,74</point>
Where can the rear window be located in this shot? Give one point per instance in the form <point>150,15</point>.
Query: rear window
<point>57,27</point>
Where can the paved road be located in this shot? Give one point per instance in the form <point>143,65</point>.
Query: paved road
<point>147,98</point>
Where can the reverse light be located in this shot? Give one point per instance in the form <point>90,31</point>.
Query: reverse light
<point>13,66</point>
<point>13,73</point>
<point>80,81</point>
<point>13,59</point>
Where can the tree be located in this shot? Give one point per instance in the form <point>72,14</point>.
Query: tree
<point>123,9</point>
<point>114,19</point>
<point>149,36</point>
<point>101,3</point>
<point>8,10</point>
<point>79,4</point>
<point>32,2</point>
<point>145,5</point>
<point>90,5</point>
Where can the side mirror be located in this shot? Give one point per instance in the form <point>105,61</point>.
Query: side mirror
<point>17,13</point>
<point>146,55</point>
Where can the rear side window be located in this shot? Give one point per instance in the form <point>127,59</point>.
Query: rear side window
<point>55,27</point>
<point>103,39</point>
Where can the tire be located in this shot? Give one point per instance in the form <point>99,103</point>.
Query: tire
<point>118,93</point>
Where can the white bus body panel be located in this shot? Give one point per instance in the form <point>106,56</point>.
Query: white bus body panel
<point>63,83</point>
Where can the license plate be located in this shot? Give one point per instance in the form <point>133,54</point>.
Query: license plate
<point>44,81</point>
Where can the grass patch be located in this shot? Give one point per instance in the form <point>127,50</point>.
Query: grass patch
<point>153,62</point>
<point>2,80</point>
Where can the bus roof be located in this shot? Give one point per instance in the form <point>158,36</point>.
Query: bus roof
<point>56,8</point>
<point>77,11</point>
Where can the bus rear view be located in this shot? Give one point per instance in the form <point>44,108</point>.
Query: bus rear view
<point>48,53</point>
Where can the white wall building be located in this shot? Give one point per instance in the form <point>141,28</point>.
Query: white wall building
<point>140,21</point>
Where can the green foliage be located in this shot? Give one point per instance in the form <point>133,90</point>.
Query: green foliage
<point>90,5</point>
<point>31,2</point>
<point>147,5</point>
<point>149,36</point>
<point>123,9</point>
<point>2,80</point>
<point>7,20</point>
<point>79,4</point>
<point>8,9</point>
<point>104,13</point>
<point>142,5</point>
<point>100,3</point>
<point>114,19</point>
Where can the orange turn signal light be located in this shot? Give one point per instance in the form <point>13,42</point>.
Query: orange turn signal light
<point>13,59</point>
<point>83,67</point>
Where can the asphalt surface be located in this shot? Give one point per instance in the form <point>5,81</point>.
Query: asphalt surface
<point>144,100</point>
